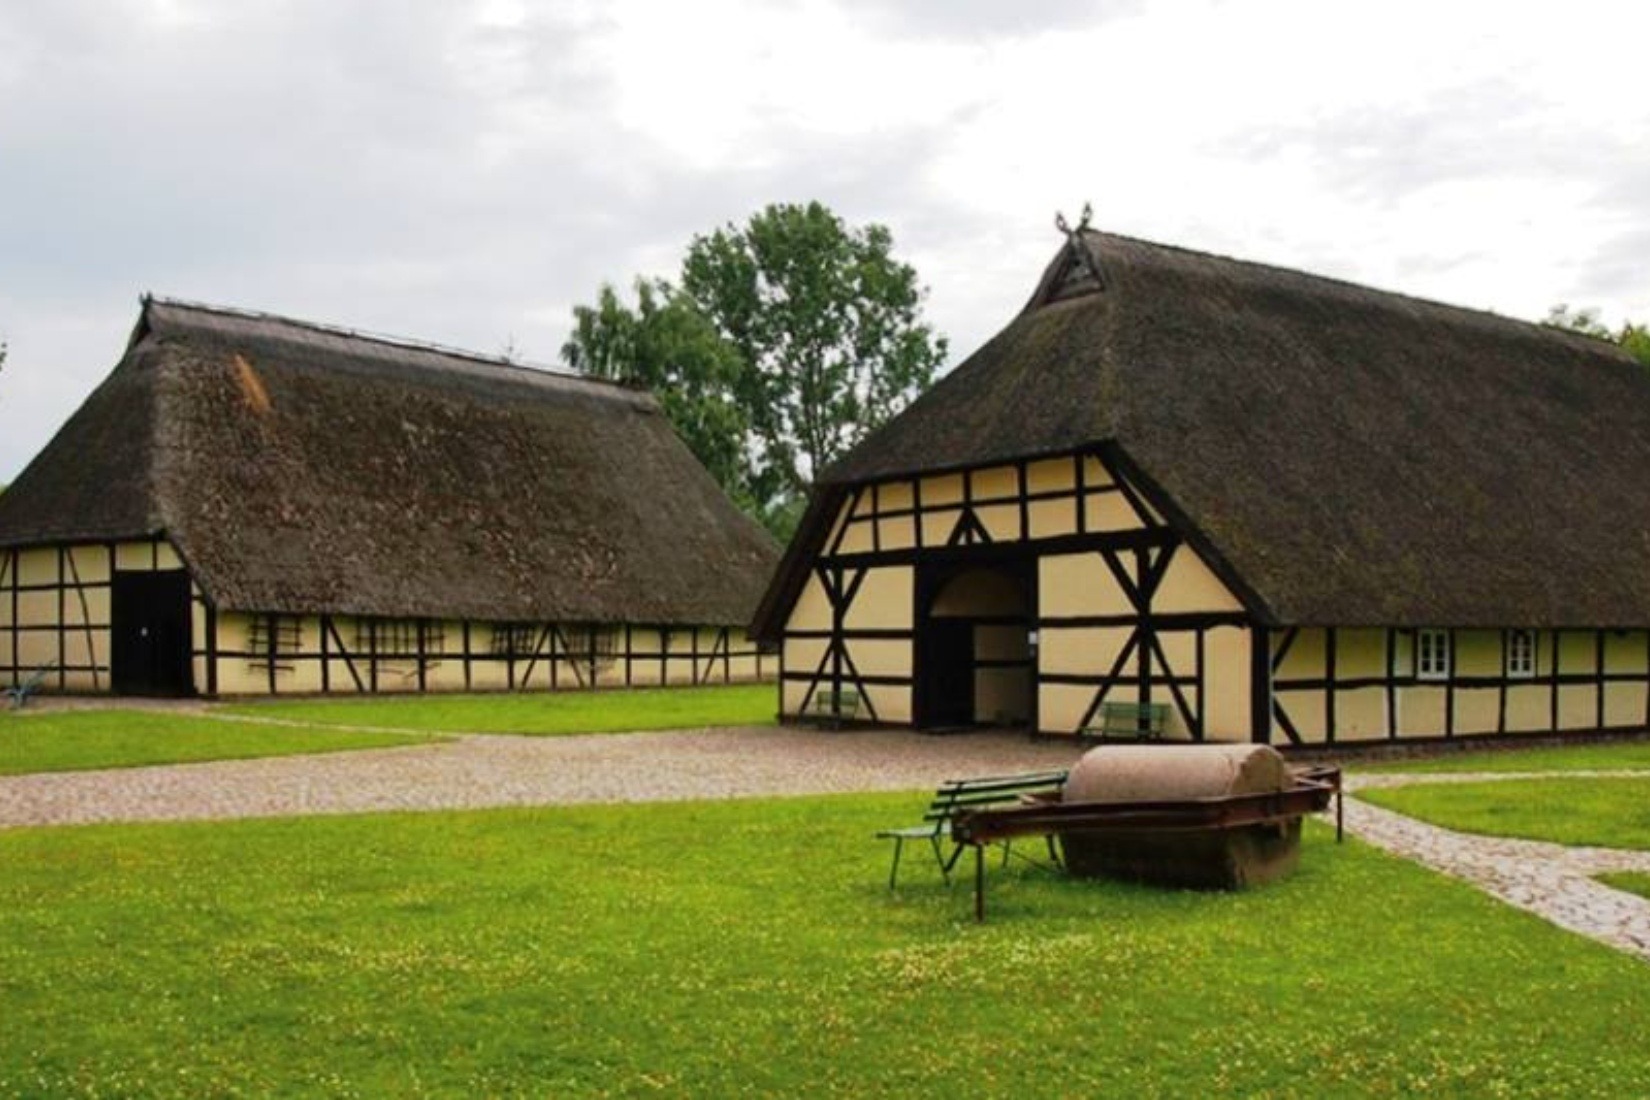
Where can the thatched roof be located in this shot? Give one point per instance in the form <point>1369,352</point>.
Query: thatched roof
<point>1352,456</point>
<point>304,469</point>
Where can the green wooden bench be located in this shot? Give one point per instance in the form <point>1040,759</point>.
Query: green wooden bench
<point>19,693</point>
<point>834,706</point>
<point>1142,721</point>
<point>957,795</point>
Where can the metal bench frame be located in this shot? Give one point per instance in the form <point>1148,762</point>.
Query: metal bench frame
<point>958,796</point>
<point>19,693</point>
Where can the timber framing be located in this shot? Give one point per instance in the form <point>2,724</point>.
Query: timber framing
<point>57,603</point>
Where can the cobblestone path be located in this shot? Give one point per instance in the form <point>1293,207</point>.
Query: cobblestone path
<point>1553,881</point>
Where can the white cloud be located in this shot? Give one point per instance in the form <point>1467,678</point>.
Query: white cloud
<point>466,173</point>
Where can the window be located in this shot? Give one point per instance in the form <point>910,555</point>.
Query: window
<point>1520,651</point>
<point>1432,654</point>
<point>515,639</point>
<point>271,641</point>
<point>398,637</point>
<point>599,643</point>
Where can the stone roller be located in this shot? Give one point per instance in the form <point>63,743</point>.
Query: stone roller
<point>1198,854</point>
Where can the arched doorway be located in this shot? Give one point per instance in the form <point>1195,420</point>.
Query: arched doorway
<point>975,661</point>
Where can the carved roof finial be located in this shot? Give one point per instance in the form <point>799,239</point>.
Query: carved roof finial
<point>1079,244</point>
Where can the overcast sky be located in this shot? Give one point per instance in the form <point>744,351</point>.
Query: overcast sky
<point>466,173</point>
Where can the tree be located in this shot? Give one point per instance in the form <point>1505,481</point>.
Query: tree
<point>666,346</point>
<point>786,341</point>
<point>1634,338</point>
<point>829,332</point>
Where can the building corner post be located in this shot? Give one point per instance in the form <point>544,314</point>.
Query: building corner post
<point>1260,684</point>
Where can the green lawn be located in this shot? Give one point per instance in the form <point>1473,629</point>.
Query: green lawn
<point>542,713</point>
<point>1614,813</point>
<point>1634,882</point>
<point>74,741</point>
<point>1606,756</point>
<point>751,948</point>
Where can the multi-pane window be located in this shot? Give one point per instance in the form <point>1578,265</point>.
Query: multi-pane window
<point>272,640</point>
<point>600,642</point>
<point>515,639</point>
<point>398,637</point>
<point>1432,654</point>
<point>1520,653</point>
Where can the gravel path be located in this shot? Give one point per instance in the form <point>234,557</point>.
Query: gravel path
<point>1552,881</point>
<point>478,771</point>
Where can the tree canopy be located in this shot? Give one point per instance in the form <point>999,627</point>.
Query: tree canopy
<point>785,342</point>
<point>1633,337</point>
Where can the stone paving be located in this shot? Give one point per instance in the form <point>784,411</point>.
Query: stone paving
<point>1552,881</point>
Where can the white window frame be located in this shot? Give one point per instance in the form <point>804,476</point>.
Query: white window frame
<point>1432,655</point>
<point>1520,660</point>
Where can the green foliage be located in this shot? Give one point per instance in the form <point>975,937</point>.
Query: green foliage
<point>1614,813</point>
<point>750,948</point>
<point>788,339</point>
<point>829,326</point>
<point>55,742</point>
<point>568,712</point>
<point>1635,338</point>
<point>1558,758</point>
<point>666,346</point>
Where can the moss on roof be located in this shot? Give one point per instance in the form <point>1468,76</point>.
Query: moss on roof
<point>304,469</point>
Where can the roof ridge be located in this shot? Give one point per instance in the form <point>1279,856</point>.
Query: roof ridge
<point>400,343</point>
<point>1366,288</point>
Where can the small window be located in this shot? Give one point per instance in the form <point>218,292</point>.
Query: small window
<point>1432,654</point>
<point>271,642</point>
<point>1520,646</point>
<point>398,638</point>
<point>515,639</point>
<point>599,642</point>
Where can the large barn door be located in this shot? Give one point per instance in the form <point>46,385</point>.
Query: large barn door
<point>150,636</point>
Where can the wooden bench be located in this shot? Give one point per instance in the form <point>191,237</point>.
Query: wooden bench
<point>957,795</point>
<point>1142,721</point>
<point>19,693</point>
<point>834,706</point>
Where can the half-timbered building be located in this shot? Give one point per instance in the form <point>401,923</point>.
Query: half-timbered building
<point>255,505</point>
<point>1287,508</point>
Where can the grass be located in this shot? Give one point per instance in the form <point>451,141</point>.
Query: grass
<point>1604,756</point>
<point>75,741</point>
<point>541,713</point>
<point>751,948</point>
<point>1612,813</point>
<point>1634,882</point>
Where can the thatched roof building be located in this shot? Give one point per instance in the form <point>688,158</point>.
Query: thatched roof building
<point>1338,457</point>
<point>301,470</point>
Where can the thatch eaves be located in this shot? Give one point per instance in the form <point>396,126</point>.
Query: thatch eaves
<point>304,469</point>
<point>1356,457</point>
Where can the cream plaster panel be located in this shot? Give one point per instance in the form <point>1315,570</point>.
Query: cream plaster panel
<point>1624,705</point>
<point>37,567</point>
<point>1360,714</point>
<point>1190,585</point>
<point>1478,653</point>
<point>812,610</point>
<point>1001,521</point>
<point>879,657</point>
<point>1477,710</point>
<point>1360,654</point>
<point>884,600</point>
<point>943,489</point>
<point>1079,584</point>
<point>1052,518</point>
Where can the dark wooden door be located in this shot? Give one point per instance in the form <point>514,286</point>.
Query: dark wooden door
<point>948,672</point>
<point>150,636</point>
